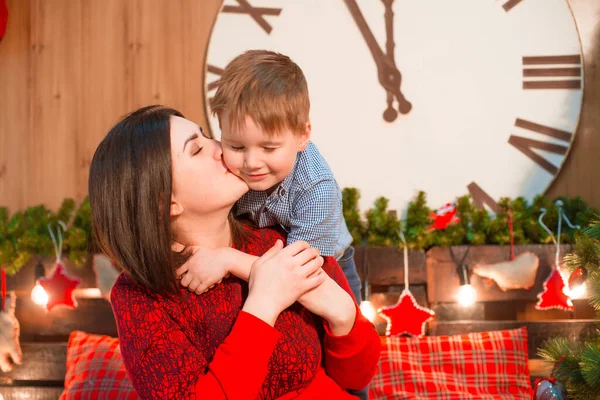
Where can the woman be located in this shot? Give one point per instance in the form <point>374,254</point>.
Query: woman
<point>157,181</point>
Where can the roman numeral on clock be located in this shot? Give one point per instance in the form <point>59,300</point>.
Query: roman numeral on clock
<point>212,86</point>
<point>526,145</point>
<point>257,13</point>
<point>508,5</point>
<point>481,198</point>
<point>568,67</point>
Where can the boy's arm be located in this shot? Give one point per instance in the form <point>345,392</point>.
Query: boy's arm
<point>316,216</point>
<point>207,267</point>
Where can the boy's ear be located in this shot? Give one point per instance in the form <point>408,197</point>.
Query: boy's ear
<point>176,208</point>
<point>305,137</point>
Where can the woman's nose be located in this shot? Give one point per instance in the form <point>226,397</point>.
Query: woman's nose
<point>218,150</point>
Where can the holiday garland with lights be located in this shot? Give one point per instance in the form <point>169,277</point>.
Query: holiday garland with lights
<point>576,364</point>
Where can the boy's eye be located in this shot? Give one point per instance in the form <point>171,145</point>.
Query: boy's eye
<point>270,149</point>
<point>236,148</point>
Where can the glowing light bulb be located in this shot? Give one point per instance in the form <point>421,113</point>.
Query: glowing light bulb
<point>578,292</point>
<point>39,295</point>
<point>367,309</point>
<point>467,296</point>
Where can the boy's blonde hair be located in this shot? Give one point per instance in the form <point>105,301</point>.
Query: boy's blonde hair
<point>267,87</point>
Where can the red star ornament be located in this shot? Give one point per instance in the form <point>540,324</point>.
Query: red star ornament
<point>59,287</point>
<point>406,316</point>
<point>553,295</point>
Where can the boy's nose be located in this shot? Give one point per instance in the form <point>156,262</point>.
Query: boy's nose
<point>251,161</point>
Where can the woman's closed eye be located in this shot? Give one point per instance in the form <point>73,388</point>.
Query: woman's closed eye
<point>197,150</point>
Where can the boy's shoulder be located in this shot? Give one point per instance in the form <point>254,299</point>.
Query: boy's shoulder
<point>311,167</point>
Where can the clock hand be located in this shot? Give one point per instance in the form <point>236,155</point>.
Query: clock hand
<point>388,74</point>
<point>404,106</point>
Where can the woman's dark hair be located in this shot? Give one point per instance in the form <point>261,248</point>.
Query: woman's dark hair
<point>130,185</point>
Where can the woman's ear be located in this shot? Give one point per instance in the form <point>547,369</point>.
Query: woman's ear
<point>305,137</point>
<point>176,208</point>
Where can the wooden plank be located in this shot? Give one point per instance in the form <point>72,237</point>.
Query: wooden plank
<point>444,282</point>
<point>197,23</point>
<point>91,315</point>
<point>15,61</point>
<point>55,113</point>
<point>538,331</point>
<point>41,362</point>
<point>385,265</point>
<point>157,68</point>
<point>454,311</point>
<point>105,94</point>
<point>580,173</point>
<point>30,393</point>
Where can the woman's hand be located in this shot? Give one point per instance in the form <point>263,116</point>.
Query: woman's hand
<point>280,277</point>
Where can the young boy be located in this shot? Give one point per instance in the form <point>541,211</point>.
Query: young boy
<point>262,104</point>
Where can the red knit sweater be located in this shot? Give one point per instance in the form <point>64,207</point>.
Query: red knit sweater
<point>205,347</point>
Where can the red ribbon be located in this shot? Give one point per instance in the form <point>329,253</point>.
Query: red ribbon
<point>3,289</point>
<point>512,234</point>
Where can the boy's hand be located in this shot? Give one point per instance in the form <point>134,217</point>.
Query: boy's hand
<point>205,268</point>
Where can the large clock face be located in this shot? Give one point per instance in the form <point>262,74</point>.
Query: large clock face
<point>449,97</point>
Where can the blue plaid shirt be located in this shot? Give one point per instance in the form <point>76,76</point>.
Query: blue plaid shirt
<point>307,204</point>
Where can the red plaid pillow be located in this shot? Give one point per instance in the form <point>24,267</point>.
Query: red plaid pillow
<point>95,369</point>
<point>488,365</point>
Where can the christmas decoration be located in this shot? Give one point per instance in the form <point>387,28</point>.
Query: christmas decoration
<point>577,362</point>
<point>443,217</point>
<point>10,348</point>
<point>106,274</point>
<point>406,316</point>
<point>467,295</point>
<point>555,293</point>
<point>549,389</point>
<point>59,286</point>
<point>3,18</point>
<point>518,273</point>
<point>577,278</point>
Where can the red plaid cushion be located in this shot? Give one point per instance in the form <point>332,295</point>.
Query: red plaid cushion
<point>488,365</point>
<point>95,369</point>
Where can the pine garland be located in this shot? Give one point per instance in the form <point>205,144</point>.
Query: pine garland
<point>577,365</point>
<point>476,226</point>
<point>25,234</point>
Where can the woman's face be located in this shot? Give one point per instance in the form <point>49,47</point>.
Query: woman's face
<point>202,183</point>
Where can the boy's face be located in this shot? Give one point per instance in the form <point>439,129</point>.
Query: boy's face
<point>261,160</point>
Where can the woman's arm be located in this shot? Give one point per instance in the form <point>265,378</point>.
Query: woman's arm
<point>351,359</point>
<point>164,363</point>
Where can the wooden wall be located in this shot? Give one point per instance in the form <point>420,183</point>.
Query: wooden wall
<point>70,68</point>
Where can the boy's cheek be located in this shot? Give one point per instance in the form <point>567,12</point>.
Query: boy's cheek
<point>232,160</point>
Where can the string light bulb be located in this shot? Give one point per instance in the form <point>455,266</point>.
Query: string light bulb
<point>38,294</point>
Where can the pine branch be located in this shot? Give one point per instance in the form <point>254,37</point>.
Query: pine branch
<point>590,365</point>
